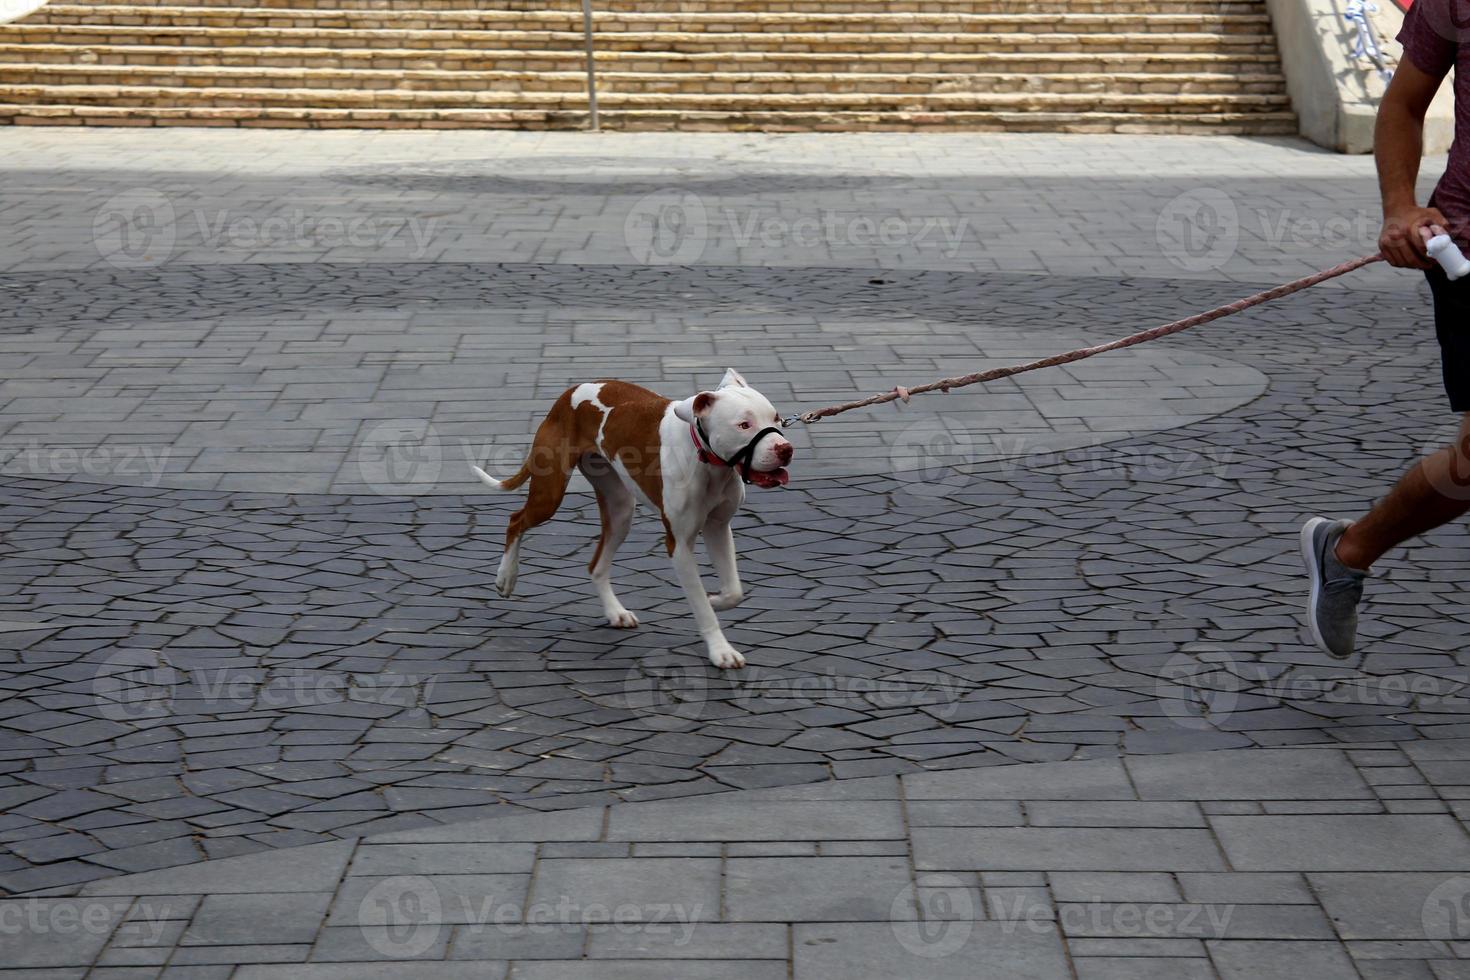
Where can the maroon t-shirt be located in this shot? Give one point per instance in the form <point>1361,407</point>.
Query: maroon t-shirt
<point>1436,38</point>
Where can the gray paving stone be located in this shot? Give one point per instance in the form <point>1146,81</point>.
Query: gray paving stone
<point>712,819</point>
<point>648,970</point>
<point>393,901</point>
<point>1275,960</point>
<point>700,940</point>
<point>522,941</point>
<point>1106,886</point>
<point>1395,906</point>
<point>1287,774</point>
<point>1258,888</point>
<point>314,868</point>
<point>1066,849</point>
<point>1397,842</point>
<point>1098,779</point>
<point>874,950</point>
<point>1144,968</point>
<point>52,933</point>
<point>825,889</point>
<point>594,889</point>
<point>434,859</point>
<point>409,970</point>
<point>1050,813</point>
<point>258,919</point>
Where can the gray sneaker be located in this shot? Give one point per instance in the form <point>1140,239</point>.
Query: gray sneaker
<point>1336,589</point>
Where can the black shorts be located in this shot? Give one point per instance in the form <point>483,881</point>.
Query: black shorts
<point>1452,326</point>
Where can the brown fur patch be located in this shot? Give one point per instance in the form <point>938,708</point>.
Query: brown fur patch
<point>631,435</point>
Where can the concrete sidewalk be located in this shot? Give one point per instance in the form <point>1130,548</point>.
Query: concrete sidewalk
<point>1245,865</point>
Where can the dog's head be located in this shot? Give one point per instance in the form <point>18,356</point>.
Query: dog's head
<point>730,417</point>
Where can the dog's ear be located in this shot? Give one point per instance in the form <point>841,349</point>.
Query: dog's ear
<point>732,379</point>
<point>695,406</point>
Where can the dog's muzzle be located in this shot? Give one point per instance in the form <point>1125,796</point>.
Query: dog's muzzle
<point>741,461</point>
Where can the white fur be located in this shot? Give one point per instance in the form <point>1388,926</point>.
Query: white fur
<point>489,480</point>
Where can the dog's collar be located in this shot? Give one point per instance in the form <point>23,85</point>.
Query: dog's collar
<point>740,462</point>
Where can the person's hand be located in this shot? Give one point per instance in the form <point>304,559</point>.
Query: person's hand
<point>1402,240</point>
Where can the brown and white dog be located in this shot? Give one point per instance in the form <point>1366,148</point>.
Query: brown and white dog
<point>688,459</point>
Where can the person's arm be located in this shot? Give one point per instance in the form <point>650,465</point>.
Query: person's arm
<point>1398,144</point>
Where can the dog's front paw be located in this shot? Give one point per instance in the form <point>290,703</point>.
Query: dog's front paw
<point>726,657</point>
<point>505,584</point>
<point>622,619</point>
<point>720,601</point>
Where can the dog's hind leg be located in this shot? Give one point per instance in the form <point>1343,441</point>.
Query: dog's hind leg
<point>551,468</point>
<point>616,505</point>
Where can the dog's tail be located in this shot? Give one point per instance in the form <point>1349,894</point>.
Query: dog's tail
<point>510,483</point>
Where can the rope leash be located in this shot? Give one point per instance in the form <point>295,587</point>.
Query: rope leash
<point>900,393</point>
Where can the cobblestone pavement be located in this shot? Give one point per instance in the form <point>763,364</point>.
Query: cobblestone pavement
<point>246,596</point>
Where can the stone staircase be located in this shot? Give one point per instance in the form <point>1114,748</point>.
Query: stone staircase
<point>1180,66</point>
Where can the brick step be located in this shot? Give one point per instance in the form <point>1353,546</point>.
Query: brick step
<point>109,15</point>
<point>143,96</point>
<point>631,61</point>
<point>771,83</point>
<point>1114,7</point>
<point>851,44</point>
<point>1223,123</point>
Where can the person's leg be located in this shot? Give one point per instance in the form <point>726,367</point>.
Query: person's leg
<point>1436,491</point>
<point>1433,493</point>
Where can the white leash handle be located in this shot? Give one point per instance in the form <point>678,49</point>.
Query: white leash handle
<point>1442,249</point>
